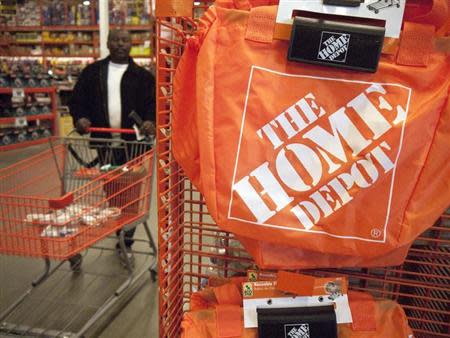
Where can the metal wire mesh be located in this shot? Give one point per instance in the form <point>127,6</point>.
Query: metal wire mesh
<point>192,247</point>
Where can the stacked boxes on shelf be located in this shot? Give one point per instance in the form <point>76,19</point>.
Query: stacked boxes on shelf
<point>27,103</point>
<point>27,116</point>
<point>22,74</point>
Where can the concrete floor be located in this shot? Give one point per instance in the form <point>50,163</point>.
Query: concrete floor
<point>66,300</point>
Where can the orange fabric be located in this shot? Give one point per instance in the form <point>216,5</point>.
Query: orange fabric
<point>390,320</point>
<point>229,321</point>
<point>228,294</point>
<point>261,24</point>
<point>362,306</point>
<point>436,13</point>
<point>202,324</point>
<point>174,8</point>
<point>416,44</point>
<point>301,285</point>
<point>311,166</point>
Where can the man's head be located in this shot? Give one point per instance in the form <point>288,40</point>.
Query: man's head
<point>119,45</point>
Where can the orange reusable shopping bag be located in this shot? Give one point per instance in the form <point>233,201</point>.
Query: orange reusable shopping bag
<point>312,166</point>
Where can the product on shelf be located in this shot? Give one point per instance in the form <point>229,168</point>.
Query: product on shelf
<point>23,13</point>
<point>58,13</point>
<point>23,74</point>
<point>28,13</point>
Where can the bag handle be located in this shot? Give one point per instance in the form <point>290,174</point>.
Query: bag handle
<point>362,307</point>
<point>228,311</point>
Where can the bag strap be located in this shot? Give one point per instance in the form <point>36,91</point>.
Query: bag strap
<point>416,44</point>
<point>362,307</point>
<point>261,24</point>
<point>228,311</point>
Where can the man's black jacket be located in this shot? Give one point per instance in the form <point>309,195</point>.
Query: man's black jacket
<point>90,95</point>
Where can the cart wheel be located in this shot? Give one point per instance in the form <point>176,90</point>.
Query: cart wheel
<point>376,11</point>
<point>75,263</point>
<point>398,5</point>
<point>153,275</point>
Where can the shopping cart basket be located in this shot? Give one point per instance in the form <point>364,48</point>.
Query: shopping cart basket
<point>192,247</point>
<point>69,197</point>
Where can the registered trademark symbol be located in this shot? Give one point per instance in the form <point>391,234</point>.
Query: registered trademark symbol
<point>375,232</point>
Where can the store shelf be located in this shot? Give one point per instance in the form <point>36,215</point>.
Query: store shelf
<point>29,90</point>
<point>71,55</point>
<point>91,28</point>
<point>20,28</point>
<point>133,27</point>
<point>75,42</point>
<point>69,28</point>
<point>12,42</point>
<point>9,120</point>
<point>21,55</point>
<point>139,42</point>
<point>141,56</point>
<point>24,144</point>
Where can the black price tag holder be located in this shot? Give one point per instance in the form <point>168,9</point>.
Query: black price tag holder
<point>298,322</point>
<point>336,41</point>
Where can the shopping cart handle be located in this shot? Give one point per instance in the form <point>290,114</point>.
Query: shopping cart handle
<point>111,130</point>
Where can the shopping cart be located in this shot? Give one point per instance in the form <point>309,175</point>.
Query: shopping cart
<point>192,248</point>
<point>66,199</point>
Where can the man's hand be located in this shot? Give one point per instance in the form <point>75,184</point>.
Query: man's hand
<point>148,128</point>
<point>83,126</point>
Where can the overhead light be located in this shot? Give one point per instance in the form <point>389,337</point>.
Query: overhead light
<point>197,3</point>
<point>86,2</point>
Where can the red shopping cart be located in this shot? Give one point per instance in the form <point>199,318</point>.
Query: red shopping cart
<point>69,197</point>
<point>192,248</point>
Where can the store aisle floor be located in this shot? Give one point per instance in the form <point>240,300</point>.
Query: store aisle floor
<point>66,300</point>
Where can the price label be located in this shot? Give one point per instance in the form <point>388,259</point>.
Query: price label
<point>20,122</point>
<point>18,95</point>
<point>18,92</point>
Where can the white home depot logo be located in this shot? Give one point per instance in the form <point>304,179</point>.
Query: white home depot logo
<point>302,165</point>
<point>296,331</point>
<point>333,46</point>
